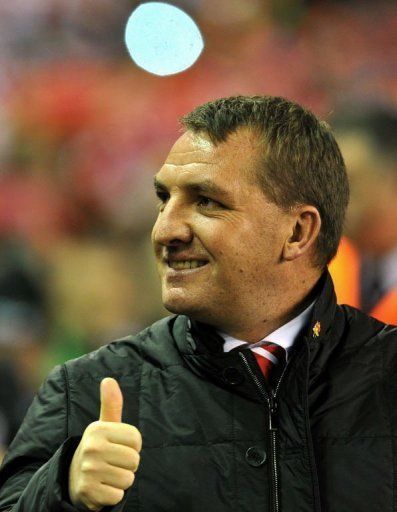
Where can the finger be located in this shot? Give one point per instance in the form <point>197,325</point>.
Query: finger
<point>118,478</point>
<point>111,401</point>
<point>107,495</point>
<point>117,433</point>
<point>124,434</point>
<point>122,457</point>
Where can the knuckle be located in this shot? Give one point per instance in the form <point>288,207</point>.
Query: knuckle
<point>89,447</point>
<point>114,496</point>
<point>96,447</point>
<point>87,467</point>
<point>137,438</point>
<point>93,427</point>
<point>97,428</point>
<point>128,479</point>
<point>136,459</point>
<point>84,490</point>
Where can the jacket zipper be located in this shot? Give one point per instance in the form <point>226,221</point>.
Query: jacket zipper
<point>271,400</point>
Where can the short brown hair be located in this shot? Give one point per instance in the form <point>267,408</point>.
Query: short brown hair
<point>300,160</point>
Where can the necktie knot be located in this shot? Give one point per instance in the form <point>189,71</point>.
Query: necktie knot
<point>268,356</point>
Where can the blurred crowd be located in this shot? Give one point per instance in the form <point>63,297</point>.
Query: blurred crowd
<point>83,130</point>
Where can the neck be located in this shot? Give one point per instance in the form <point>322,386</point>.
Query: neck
<point>285,310</point>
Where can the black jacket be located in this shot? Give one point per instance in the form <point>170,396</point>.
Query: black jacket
<point>210,443</point>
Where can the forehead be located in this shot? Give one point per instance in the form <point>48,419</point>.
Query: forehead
<point>195,155</point>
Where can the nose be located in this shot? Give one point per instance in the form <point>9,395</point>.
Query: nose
<point>173,225</point>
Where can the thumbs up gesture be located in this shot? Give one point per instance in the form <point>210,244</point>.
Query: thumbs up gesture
<point>105,461</point>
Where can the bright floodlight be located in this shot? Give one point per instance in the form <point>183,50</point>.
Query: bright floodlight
<point>162,39</point>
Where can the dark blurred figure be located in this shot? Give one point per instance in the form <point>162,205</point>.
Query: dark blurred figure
<point>368,142</point>
<point>12,403</point>
<point>22,324</point>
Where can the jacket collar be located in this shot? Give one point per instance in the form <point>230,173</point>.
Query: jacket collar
<point>203,338</point>
<point>324,310</point>
<point>202,348</point>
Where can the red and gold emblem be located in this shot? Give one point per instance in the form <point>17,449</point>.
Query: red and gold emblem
<point>316,329</point>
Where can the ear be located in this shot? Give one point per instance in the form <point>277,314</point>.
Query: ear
<point>304,232</point>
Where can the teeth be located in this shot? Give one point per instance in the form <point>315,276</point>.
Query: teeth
<point>183,265</point>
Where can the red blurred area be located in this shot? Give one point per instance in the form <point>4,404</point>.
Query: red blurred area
<point>83,130</point>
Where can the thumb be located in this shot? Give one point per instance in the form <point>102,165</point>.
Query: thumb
<point>111,401</point>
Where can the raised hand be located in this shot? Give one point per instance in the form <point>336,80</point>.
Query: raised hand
<point>105,461</point>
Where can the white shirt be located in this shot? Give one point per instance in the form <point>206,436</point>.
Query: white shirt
<point>284,336</point>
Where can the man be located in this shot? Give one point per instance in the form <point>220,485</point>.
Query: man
<point>261,393</point>
<point>367,138</point>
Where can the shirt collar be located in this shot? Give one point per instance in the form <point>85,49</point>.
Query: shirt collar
<point>202,339</point>
<point>284,336</point>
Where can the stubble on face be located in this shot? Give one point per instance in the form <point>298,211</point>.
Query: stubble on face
<point>242,240</point>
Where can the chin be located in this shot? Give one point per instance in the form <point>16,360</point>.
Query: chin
<point>181,305</point>
<point>193,311</point>
<point>178,307</point>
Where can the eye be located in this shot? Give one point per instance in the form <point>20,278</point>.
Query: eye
<point>163,197</point>
<point>206,202</point>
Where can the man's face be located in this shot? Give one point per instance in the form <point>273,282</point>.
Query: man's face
<point>218,240</point>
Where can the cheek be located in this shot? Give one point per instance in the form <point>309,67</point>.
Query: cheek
<point>236,261</point>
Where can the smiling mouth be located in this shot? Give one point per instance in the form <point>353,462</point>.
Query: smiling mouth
<point>186,265</point>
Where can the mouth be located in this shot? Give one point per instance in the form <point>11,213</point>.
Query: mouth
<point>186,264</point>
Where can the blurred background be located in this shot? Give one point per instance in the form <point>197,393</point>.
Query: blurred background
<point>83,130</point>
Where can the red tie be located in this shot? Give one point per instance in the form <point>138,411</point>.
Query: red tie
<point>277,357</point>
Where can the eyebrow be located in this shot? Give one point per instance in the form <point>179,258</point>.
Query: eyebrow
<point>202,187</point>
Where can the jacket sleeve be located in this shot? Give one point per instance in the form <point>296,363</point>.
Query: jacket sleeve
<point>35,470</point>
